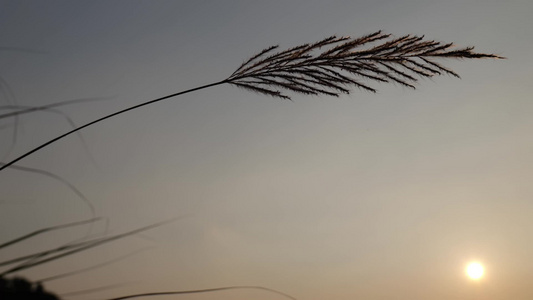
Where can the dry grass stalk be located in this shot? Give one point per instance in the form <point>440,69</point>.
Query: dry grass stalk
<point>21,288</point>
<point>328,67</point>
<point>342,65</point>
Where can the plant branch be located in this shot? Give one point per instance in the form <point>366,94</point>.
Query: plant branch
<point>330,72</point>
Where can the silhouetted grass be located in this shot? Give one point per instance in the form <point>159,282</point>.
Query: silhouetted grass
<point>330,67</point>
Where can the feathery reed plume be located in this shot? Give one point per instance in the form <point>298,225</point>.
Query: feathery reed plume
<point>329,67</point>
<point>346,62</point>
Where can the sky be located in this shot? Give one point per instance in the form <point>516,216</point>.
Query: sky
<point>365,196</point>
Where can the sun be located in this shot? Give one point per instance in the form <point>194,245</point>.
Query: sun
<point>475,270</point>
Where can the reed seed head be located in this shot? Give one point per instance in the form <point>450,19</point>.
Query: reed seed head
<point>346,63</point>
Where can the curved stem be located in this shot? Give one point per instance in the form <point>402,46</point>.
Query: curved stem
<point>205,291</point>
<point>6,165</point>
<point>47,229</point>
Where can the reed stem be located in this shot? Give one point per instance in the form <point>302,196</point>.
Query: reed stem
<point>6,165</point>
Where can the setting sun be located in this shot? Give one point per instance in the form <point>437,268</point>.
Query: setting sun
<point>474,270</point>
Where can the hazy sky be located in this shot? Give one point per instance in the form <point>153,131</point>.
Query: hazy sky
<point>366,196</point>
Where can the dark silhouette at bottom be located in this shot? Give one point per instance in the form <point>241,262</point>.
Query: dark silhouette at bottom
<point>18,288</point>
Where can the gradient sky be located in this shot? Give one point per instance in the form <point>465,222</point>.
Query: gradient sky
<point>366,196</point>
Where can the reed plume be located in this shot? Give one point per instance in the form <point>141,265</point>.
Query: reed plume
<point>329,67</point>
<point>344,63</point>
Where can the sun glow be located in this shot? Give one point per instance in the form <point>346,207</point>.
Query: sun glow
<point>475,270</point>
